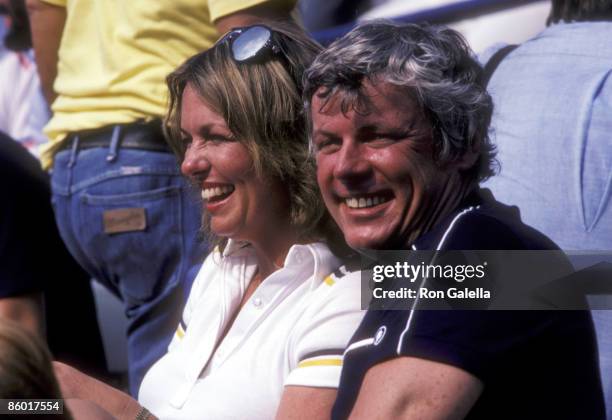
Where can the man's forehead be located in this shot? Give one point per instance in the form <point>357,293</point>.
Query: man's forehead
<point>371,103</point>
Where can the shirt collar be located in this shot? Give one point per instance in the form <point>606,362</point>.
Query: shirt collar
<point>431,239</point>
<point>314,258</point>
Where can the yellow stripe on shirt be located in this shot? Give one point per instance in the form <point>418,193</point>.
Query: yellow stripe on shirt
<point>320,362</point>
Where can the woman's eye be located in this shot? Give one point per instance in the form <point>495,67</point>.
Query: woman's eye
<point>219,138</point>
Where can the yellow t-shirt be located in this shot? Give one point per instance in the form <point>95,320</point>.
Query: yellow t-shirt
<point>114,57</point>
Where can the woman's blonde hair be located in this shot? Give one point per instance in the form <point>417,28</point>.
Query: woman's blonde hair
<point>261,103</point>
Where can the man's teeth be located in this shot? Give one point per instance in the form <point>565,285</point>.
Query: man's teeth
<point>208,193</point>
<point>362,202</point>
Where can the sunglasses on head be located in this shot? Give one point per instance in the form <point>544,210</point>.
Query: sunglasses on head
<point>251,43</point>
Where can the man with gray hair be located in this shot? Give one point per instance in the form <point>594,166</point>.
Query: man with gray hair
<point>400,135</point>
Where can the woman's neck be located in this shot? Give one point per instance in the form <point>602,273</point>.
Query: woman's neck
<point>272,250</point>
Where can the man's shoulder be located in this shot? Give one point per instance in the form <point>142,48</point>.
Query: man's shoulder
<point>492,226</point>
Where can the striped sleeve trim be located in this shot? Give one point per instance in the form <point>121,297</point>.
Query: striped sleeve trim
<point>326,352</point>
<point>329,361</point>
<point>328,357</point>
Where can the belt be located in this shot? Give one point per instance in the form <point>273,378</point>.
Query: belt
<point>145,136</point>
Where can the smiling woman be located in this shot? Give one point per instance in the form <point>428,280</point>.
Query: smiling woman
<point>255,106</point>
<point>269,314</point>
<point>239,203</point>
<point>266,302</point>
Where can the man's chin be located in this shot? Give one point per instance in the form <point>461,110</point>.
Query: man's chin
<point>367,243</point>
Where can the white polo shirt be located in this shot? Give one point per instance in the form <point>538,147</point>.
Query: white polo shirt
<point>292,331</point>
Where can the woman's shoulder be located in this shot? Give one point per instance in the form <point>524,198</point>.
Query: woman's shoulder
<point>341,287</point>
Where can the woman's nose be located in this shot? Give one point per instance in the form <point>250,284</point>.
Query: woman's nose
<point>195,162</point>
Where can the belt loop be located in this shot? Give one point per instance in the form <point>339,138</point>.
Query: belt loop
<point>73,151</point>
<point>113,149</point>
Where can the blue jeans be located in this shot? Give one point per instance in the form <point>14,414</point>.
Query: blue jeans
<point>149,267</point>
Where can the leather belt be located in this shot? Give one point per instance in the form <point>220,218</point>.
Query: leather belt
<point>138,135</point>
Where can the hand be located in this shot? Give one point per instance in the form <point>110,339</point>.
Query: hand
<point>75,384</point>
<point>81,409</point>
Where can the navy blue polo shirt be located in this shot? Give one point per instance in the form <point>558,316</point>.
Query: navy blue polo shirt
<point>533,364</point>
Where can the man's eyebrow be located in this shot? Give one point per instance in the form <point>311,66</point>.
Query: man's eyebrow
<point>322,132</point>
<point>369,128</point>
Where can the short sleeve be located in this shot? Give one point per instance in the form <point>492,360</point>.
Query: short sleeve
<point>221,8</point>
<point>322,335</point>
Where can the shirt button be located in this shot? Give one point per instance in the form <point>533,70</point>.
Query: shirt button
<point>257,302</point>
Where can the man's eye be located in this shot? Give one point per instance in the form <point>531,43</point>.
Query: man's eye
<point>388,136</point>
<point>326,145</point>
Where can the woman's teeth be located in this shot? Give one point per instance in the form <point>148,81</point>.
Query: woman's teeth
<point>363,202</point>
<point>208,193</point>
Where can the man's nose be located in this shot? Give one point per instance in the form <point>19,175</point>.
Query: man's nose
<point>352,164</point>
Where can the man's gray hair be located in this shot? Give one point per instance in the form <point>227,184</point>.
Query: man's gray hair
<point>434,63</point>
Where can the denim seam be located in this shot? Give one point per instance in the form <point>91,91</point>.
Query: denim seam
<point>94,199</point>
<point>120,174</point>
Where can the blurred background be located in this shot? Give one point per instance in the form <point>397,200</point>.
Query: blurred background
<point>482,22</point>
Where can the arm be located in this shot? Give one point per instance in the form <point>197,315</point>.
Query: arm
<point>75,384</point>
<point>81,409</point>
<point>47,23</point>
<point>301,402</point>
<point>26,310</point>
<point>412,388</point>
<point>252,15</point>
<point>318,343</point>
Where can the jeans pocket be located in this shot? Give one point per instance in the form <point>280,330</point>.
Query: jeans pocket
<point>136,239</point>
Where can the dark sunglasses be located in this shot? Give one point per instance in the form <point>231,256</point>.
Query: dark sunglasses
<point>251,43</point>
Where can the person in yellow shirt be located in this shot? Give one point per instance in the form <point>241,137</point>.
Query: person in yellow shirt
<point>121,205</point>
